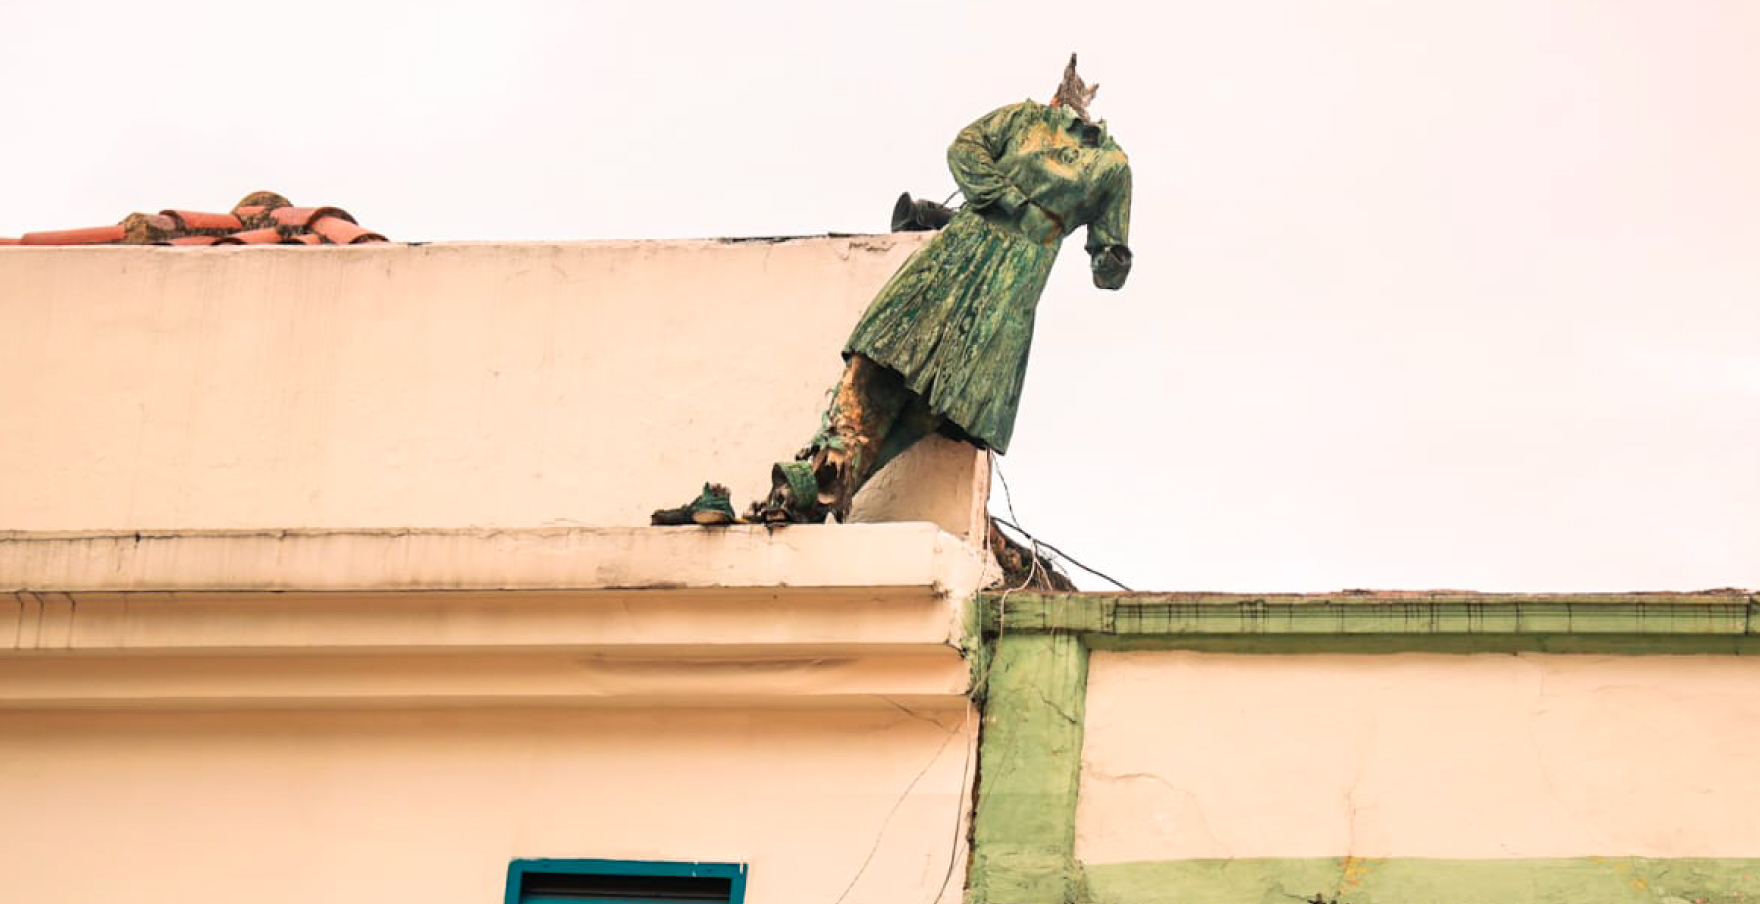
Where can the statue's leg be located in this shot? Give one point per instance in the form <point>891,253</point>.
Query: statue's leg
<point>912,424</point>
<point>847,450</point>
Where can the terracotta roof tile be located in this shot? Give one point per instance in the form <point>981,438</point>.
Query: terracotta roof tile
<point>96,235</point>
<point>303,216</point>
<point>253,216</point>
<point>343,232</point>
<point>266,236</point>
<point>193,223</point>
<point>260,218</point>
<point>148,228</point>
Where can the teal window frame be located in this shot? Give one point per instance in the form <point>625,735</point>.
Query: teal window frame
<point>735,873</point>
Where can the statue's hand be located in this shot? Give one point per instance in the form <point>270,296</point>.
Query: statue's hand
<point>1040,225</point>
<point>1111,265</point>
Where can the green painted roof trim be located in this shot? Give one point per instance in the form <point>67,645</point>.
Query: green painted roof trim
<point>1121,620</point>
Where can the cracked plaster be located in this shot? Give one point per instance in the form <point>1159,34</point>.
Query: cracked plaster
<point>1197,755</point>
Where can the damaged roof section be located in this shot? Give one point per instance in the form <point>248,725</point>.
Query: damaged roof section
<point>260,218</point>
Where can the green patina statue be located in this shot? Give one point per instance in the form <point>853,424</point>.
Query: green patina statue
<point>943,347</point>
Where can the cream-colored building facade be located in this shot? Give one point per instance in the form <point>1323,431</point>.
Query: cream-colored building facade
<point>1439,746</point>
<point>327,577</point>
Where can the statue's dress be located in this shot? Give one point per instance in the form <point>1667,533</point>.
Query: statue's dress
<point>957,319</point>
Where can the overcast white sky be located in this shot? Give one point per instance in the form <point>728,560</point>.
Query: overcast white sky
<point>1451,293</point>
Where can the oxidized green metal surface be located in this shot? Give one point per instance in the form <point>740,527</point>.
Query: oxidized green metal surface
<point>957,319</point>
<point>1411,880</point>
<point>1029,769</point>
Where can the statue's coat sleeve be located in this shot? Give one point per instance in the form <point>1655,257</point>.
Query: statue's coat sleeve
<point>1109,234</point>
<point>972,159</point>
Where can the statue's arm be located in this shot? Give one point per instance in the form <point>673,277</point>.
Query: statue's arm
<point>972,158</point>
<point>1109,252</point>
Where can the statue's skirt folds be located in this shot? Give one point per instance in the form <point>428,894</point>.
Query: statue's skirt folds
<point>957,321</point>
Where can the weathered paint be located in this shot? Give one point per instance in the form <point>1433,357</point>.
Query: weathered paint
<point>1029,771</point>
<point>820,615</point>
<point>1201,755</point>
<point>495,385</point>
<point>554,558</point>
<point>1145,619</point>
<point>1601,880</point>
<point>1460,644</point>
<point>1617,723</point>
<point>307,536</point>
<point>280,807</point>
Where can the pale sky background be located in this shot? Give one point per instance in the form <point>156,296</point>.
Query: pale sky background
<point>1445,293</point>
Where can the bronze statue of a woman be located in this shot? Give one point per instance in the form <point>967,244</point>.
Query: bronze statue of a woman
<point>943,347</point>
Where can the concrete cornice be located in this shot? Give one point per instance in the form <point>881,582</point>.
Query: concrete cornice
<point>909,554</point>
<point>803,616</point>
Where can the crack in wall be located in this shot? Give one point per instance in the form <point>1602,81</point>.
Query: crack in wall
<point>1350,873</point>
<point>1190,797</point>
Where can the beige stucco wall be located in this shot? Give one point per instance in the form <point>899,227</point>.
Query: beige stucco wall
<point>290,808</point>
<point>394,715</point>
<point>362,603</point>
<point>430,386</point>
<point>1195,755</point>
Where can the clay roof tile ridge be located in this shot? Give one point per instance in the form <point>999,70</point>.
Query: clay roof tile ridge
<point>191,221</point>
<point>93,235</point>
<point>304,216</point>
<point>259,218</point>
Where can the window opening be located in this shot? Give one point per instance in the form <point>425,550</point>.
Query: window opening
<point>624,882</point>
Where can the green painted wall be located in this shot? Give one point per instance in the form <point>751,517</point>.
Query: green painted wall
<point>1024,833</point>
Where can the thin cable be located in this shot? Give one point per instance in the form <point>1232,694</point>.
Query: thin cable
<point>1008,499</point>
<point>959,820</point>
<point>1032,567</point>
<point>881,834</point>
<point>1033,571</point>
<point>1007,496</point>
<point>982,682</point>
<point>1063,555</point>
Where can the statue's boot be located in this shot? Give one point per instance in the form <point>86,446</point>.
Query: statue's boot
<point>794,496</point>
<point>921,215</point>
<point>712,506</point>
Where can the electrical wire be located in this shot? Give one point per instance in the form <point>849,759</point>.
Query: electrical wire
<point>881,834</point>
<point>1008,499</point>
<point>959,820</point>
<point>1063,556</point>
<point>1002,620</point>
<point>1032,567</point>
